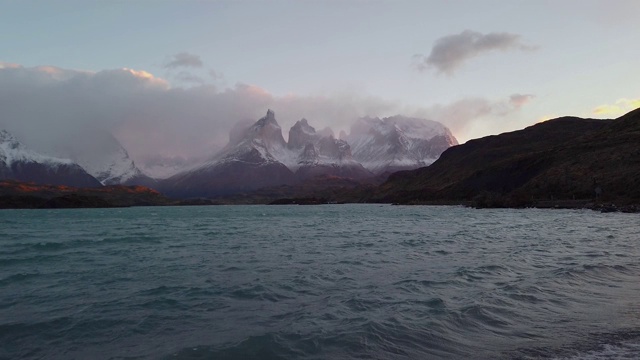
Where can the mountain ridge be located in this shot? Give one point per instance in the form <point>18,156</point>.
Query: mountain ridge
<point>398,142</point>
<point>566,158</point>
<point>24,164</point>
<point>104,157</point>
<point>258,156</point>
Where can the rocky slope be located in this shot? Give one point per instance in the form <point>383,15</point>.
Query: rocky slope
<point>321,154</point>
<point>20,163</point>
<point>562,159</point>
<point>248,162</point>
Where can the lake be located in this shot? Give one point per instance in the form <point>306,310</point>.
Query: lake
<point>319,282</point>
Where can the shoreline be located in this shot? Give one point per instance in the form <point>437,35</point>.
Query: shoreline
<point>601,206</point>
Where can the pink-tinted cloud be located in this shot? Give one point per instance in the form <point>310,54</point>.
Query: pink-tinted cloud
<point>464,116</point>
<point>45,106</point>
<point>519,100</point>
<point>8,65</point>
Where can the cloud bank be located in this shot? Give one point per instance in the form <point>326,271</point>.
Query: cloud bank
<point>450,52</point>
<point>466,117</point>
<point>45,106</point>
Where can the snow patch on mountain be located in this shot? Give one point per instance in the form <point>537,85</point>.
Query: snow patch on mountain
<point>19,162</point>
<point>115,167</point>
<point>258,156</point>
<point>102,155</point>
<point>398,142</point>
<point>263,138</point>
<point>13,151</point>
<point>311,148</point>
<point>161,167</point>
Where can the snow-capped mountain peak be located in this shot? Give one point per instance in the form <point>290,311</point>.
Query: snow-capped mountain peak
<point>266,132</point>
<point>102,155</point>
<point>21,163</point>
<point>398,142</point>
<point>116,168</point>
<point>257,155</point>
<point>12,151</point>
<point>252,159</point>
<point>7,139</point>
<point>300,134</point>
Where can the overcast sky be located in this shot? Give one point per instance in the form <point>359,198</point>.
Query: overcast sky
<point>170,77</point>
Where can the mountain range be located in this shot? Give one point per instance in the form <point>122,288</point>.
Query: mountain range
<point>102,156</point>
<point>21,163</point>
<point>257,156</point>
<point>398,142</point>
<point>563,162</point>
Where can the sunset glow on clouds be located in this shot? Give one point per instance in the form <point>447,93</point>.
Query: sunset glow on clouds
<point>177,90</point>
<point>154,119</point>
<point>618,108</point>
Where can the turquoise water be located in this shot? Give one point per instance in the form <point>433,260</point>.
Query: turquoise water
<point>318,282</point>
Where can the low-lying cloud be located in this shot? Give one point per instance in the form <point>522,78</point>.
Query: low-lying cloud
<point>450,52</point>
<point>465,116</point>
<point>45,106</point>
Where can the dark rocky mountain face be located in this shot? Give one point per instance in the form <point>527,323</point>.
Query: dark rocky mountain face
<point>63,174</point>
<point>267,131</point>
<point>247,172</point>
<point>247,163</point>
<point>322,154</point>
<point>20,163</point>
<point>302,134</point>
<point>309,155</point>
<point>565,158</point>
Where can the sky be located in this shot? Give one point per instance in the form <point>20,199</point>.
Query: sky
<point>170,78</point>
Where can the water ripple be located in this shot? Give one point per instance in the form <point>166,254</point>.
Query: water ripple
<point>325,282</point>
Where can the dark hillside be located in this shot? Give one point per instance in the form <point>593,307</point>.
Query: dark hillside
<point>566,158</point>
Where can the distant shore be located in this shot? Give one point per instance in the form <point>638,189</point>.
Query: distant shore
<point>602,206</point>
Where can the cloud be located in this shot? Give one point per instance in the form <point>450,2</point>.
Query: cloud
<point>46,106</point>
<point>216,75</point>
<point>187,77</point>
<point>620,107</point>
<point>450,52</point>
<point>189,70</point>
<point>8,65</point>
<point>473,116</point>
<point>519,100</point>
<point>184,59</point>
